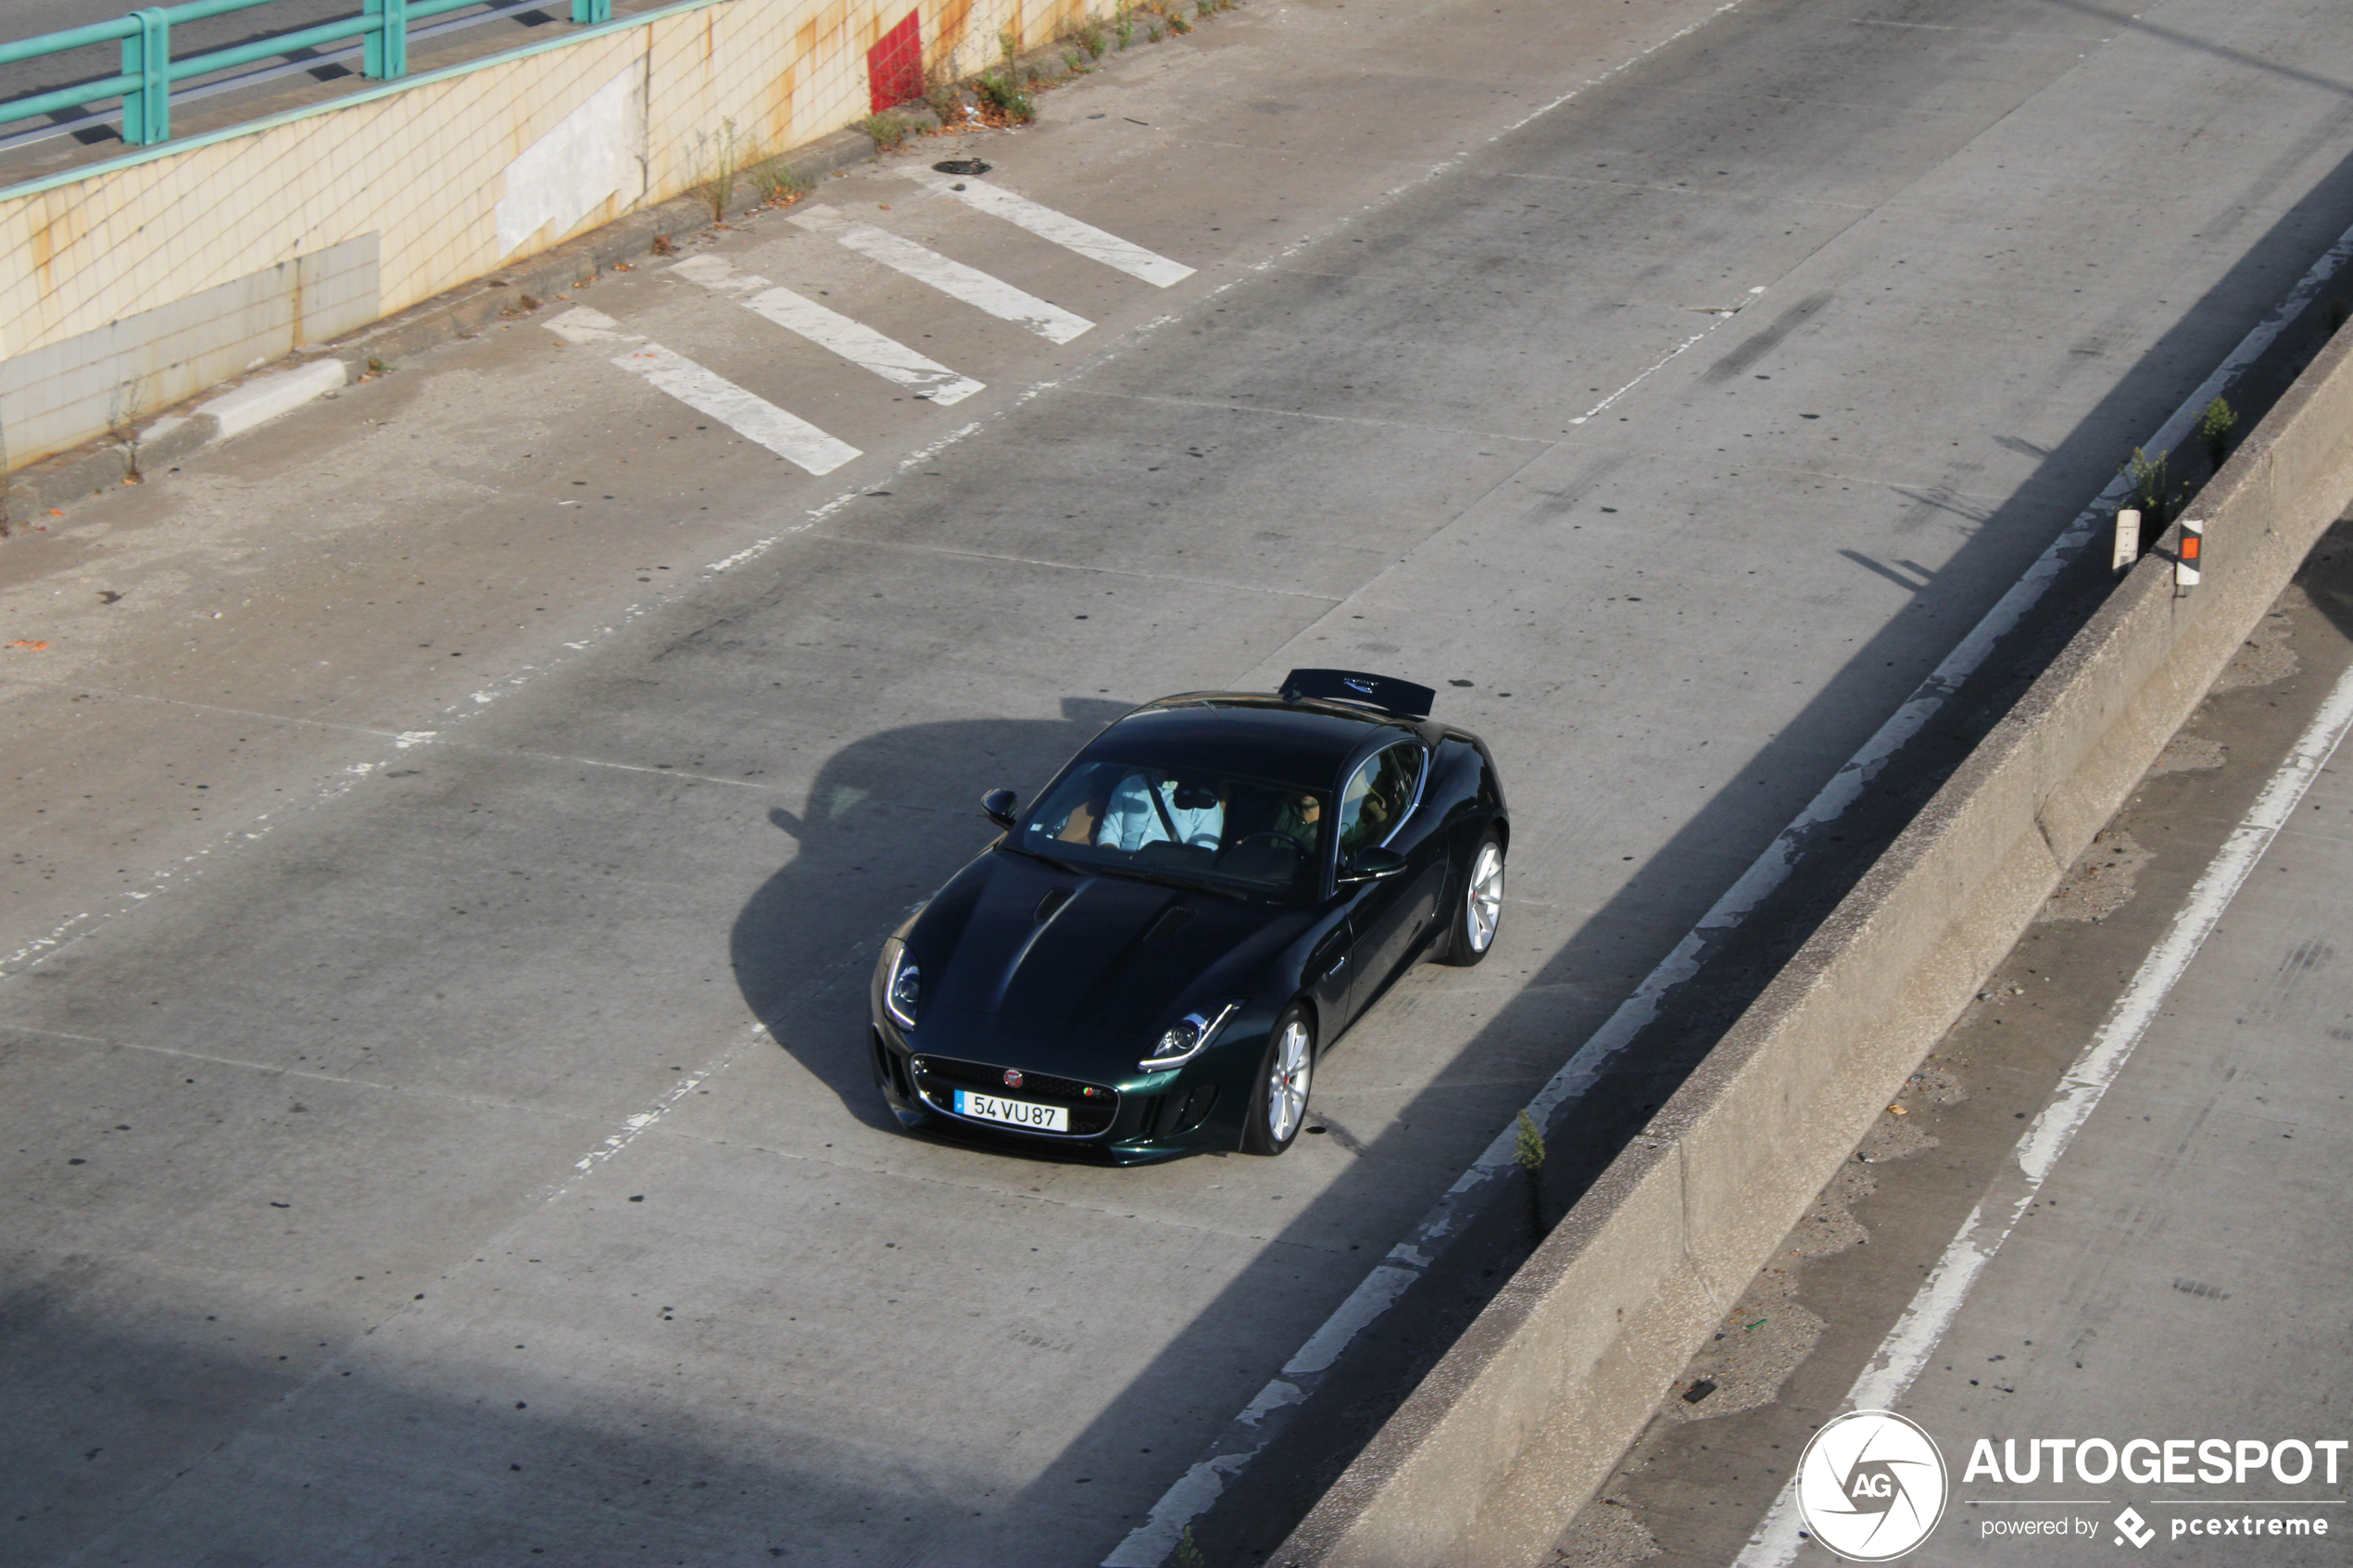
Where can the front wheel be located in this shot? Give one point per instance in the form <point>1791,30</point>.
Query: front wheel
<point>1478,913</point>
<point>1278,1106</point>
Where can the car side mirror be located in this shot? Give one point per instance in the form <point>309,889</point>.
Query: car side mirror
<point>1372,864</point>
<point>998,807</point>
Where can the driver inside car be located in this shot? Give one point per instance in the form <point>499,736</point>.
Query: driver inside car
<point>1137,814</point>
<point>1296,818</point>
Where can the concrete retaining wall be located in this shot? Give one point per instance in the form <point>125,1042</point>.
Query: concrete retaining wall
<point>133,283</point>
<point>1514,1430</point>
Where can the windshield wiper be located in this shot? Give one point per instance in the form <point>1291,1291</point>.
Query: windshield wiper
<point>1163,878</point>
<point>1060,865</point>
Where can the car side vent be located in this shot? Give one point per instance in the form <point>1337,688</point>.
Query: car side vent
<point>1055,900</point>
<point>1168,925</point>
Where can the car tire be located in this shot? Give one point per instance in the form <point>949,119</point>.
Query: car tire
<point>1278,1103</point>
<point>1478,909</point>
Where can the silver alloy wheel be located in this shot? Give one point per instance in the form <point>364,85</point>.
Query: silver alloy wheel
<point>1483,910</point>
<point>1287,1084</point>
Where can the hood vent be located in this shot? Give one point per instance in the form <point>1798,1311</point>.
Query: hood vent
<point>1055,900</point>
<point>1168,925</point>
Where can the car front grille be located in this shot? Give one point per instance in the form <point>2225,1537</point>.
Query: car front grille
<point>1092,1107</point>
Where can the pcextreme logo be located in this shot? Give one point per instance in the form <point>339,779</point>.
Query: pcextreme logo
<point>1870,1486</point>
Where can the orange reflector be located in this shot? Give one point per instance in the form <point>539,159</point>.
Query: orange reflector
<point>2189,546</point>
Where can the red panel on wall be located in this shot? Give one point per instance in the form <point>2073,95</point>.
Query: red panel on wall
<point>895,65</point>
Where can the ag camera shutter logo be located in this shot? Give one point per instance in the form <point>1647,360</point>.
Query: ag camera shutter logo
<point>1871,1485</point>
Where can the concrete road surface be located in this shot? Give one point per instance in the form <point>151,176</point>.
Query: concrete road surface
<point>448,829</point>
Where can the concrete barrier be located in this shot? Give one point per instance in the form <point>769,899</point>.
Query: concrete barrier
<point>134,283</point>
<point>1489,1459</point>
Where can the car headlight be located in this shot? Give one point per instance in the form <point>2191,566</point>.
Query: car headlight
<point>1187,1038</point>
<point>902,986</point>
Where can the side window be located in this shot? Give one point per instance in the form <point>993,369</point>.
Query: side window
<point>1376,797</point>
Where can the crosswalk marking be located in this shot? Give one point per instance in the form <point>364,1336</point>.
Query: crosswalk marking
<point>955,279</point>
<point>1063,230</point>
<point>755,418</point>
<point>829,330</point>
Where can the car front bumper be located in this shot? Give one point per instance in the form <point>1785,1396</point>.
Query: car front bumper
<point>1127,1118</point>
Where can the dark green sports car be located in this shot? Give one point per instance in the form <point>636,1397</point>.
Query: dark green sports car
<point>1155,954</point>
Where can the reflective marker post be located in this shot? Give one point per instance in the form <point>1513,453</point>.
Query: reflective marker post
<point>2186,563</point>
<point>2128,539</point>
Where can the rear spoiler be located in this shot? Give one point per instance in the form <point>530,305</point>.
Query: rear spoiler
<point>1402,698</point>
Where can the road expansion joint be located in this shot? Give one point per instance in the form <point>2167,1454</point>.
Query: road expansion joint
<point>1694,191</point>
<point>1089,568</point>
<point>1228,406</point>
<point>283,1070</point>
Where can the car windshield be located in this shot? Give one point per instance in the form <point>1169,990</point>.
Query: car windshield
<point>1173,823</point>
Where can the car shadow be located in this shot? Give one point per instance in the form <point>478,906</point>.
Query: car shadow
<point>887,820</point>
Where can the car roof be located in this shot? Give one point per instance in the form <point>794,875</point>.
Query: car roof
<point>1250,735</point>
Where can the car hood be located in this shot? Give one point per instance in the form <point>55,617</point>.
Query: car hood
<point>1111,963</point>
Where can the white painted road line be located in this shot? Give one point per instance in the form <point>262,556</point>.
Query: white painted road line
<point>1150,1543</point>
<point>953,279</point>
<point>754,417</point>
<point>831,330</point>
<point>1914,1338</point>
<point>1063,230</point>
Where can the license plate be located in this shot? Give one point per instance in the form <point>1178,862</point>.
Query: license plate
<point>1012,1112</point>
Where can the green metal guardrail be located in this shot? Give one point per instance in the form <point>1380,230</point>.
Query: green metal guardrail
<point>148,70</point>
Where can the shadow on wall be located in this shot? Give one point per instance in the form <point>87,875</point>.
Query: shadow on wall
<point>889,818</point>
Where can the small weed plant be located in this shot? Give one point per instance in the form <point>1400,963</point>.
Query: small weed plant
<point>2145,479</point>
<point>945,99</point>
<point>1528,1144</point>
<point>2214,428</point>
<point>715,158</point>
<point>778,182</point>
<point>889,130</point>
<point>1528,1153</point>
<point>123,407</point>
<point>1001,100</point>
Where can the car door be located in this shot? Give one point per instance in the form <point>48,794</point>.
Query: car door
<point>1390,916</point>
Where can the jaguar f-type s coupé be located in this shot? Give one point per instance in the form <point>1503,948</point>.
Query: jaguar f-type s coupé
<point>1153,955</point>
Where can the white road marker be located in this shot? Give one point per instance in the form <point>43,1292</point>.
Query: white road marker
<point>1914,1338</point>
<point>829,330</point>
<point>1150,1543</point>
<point>754,417</point>
<point>1063,230</point>
<point>953,279</point>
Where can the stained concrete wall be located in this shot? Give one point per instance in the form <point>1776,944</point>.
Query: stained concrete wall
<point>1489,1459</point>
<point>93,381</point>
<point>132,283</point>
